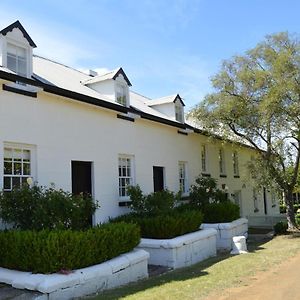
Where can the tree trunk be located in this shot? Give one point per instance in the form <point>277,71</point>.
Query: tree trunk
<point>290,215</point>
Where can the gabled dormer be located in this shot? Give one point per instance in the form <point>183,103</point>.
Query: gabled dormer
<point>114,85</point>
<point>172,106</point>
<point>16,49</point>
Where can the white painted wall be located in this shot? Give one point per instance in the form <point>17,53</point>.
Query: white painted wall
<point>105,88</point>
<point>63,130</point>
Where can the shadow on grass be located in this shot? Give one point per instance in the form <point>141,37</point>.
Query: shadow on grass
<point>174,275</point>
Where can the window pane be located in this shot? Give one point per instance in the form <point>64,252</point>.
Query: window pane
<point>17,168</point>
<point>7,183</point>
<point>7,154</point>
<point>12,63</point>
<point>17,154</point>
<point>26,155</point>
<point>22,69</point>
<point>7,168</point>
<point>26,169</point>
<point>21,52</point>
<point>16,182</point>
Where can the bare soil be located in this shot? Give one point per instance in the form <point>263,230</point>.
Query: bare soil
<point>279,283</point>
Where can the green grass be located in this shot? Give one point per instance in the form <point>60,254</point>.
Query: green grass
<point>212,275</point>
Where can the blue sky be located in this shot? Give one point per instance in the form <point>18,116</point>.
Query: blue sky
<point>164,46</point>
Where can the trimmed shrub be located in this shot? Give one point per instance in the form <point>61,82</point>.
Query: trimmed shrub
<point>221,212</point>
<point>280,228</point>
<point>297,216</point>
<point>52,251</point>
<point>164,226</point>
<point>205,191</point>
<point>38,208</point>
<point>155,203</point>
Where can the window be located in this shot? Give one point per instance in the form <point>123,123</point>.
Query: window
<point>16,59</point>
<point>17,167</point>
<point>273,198</point>
<point>255,200</point>
<point>179,112</point>
<point>203,158</point>
<point>235,160</point>
<point>125,174</point>
<point>221,161</point>
<point>121,94</point>
<point>252,164</point>
<point>183,185</point>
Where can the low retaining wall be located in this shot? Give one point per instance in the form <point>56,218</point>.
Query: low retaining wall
<point>181,251</point>
<point>226,231</point>
<point>118,271</point>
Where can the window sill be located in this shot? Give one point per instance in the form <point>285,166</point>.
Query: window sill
<point>223,176</point>
<point>205,174</point>
<point>19,89</point>
<point>236,176</point>
<point>124,203</point>
<point>125,118</point>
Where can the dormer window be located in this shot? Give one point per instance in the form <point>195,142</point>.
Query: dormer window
<point>16,59</point>
<point>16,49</point>
<point>121,94</point>
<point>179,116</point>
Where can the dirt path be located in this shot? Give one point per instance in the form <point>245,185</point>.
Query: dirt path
<point>279,283</point>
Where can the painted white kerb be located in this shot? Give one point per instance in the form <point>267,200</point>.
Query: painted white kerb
<point>118,271</point>
<point>226,231</point>
<point>181,251</point>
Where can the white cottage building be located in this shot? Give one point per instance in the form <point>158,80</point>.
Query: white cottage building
<point>90,132</point>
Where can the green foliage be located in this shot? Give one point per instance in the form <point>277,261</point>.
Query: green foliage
<point>164,226</point>
<point>256,100</point>
<point>282,208</point>
<point>280,228</point>
<point>38,208</point>
<point>52,251</point>
<point>205,191</point>
<point>155,203</point>
<point>221,212</point>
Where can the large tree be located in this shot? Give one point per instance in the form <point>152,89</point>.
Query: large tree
<point>256,99</point>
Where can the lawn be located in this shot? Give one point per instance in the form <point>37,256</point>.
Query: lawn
<point>212,275</point>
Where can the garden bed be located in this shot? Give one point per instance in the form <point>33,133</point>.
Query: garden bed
<point>226,231</point>
<point>128,267</point>
<point>181,251</point>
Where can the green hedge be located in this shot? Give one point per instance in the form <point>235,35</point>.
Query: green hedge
<point>280,228</point>
<point>164,226</point>
<point>51,251</point>
<point>39,207</point>
<point>221,212</point>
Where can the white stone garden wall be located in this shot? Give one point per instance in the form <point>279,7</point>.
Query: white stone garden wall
<point>181,251</point>
<point>118,271</point>
<point>226,231</point>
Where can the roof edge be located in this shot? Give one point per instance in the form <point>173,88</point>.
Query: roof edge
<point>17,24</point>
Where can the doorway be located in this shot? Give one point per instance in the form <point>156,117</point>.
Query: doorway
<point>265,201</point>
<point>158,178</point>
<point>237,196</point>
<point>81,177</point>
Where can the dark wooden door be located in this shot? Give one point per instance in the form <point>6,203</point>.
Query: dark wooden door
<point>265,201</point>
<point>81,177</point>
<point>158,178</point>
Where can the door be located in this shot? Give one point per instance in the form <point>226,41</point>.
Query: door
<point>81,177</point>
<point>82,180</point>
<point>265,201</point>
<point>158,178</point>
<point>238,200</point>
